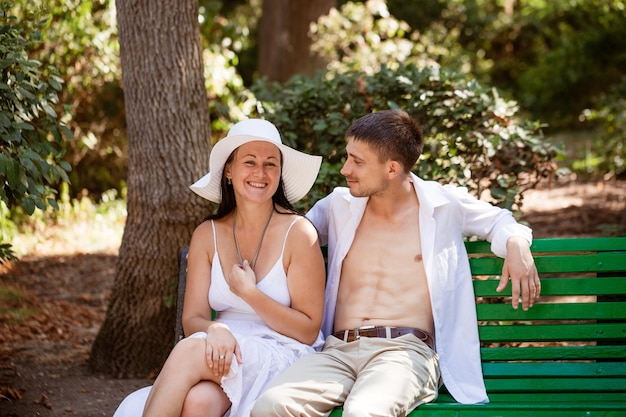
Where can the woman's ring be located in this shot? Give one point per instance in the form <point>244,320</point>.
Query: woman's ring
<point>222,357</point>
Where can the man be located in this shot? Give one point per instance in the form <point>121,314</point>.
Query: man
<point>398,279</point>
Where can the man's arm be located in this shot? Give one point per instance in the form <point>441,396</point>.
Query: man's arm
<point>519,267</point>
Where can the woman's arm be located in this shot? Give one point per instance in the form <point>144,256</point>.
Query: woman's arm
<point>197,314</point>
<point>196,308</point>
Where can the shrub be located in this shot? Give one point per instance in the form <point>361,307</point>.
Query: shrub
<point>609,151</point>
<point>472,136</point>
<point>30,130</point>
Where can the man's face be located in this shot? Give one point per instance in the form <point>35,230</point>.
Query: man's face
<point>365,174</point>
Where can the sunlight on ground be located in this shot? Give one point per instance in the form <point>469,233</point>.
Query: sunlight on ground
<point>100,233</point>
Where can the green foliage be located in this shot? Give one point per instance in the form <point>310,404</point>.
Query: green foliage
<point>231,28</point>
<point>31,134</point>
<point>609,113</point>
<point>362,37</point>
<point>79,39</point>
<point>553,56</point>
<point>227,30</point>
<point>8,230</point>
<point>472,136</point>
<point>578,49</point>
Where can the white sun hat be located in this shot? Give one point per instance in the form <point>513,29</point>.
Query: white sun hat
<point>299,169</point>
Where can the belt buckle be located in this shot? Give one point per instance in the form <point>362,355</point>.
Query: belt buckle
<point>357,336</point>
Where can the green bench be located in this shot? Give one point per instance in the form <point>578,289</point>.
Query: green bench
<point>566,356</point>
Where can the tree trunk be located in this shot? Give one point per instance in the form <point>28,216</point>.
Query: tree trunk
<point>169,145</point>
<point>285,46</point>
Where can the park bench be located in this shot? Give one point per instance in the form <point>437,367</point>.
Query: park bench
<point>564,357</point>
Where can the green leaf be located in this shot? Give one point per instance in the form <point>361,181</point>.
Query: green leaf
<point>28,205</point>
<point>40,204</point>
<point>53,203</point>
<point>49,110</point>
<point>13,173</point>
<point>55,82</point>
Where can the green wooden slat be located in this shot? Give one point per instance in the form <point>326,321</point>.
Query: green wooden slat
<point>552,332</point>
<point>492,410</point>
<point>578,397</point>
<point>598,262</point>
<point>478,247</point>
<point>593,262</point>
<point>566,311</point>
<point>516,409</point>
<point>501,410</point>
<point>552,353</point>
<point>528,404</point>
<point>579,244</point>
<point>596,384</point>
<point>559,245</point>
<point>560,286</point>
<point>486,266</point>
<point>554,369</point>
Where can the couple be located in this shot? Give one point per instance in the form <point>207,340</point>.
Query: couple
<point>399,322</point>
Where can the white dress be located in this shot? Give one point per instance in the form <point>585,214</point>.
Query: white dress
<point>265,353</point>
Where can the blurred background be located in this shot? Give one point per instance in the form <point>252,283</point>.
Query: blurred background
<point>557,65</point>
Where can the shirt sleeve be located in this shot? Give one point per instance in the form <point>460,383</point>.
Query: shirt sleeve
<point>318,215</point>
<point>488,222</point>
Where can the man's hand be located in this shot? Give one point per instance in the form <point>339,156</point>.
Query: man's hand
<point>519,267</point>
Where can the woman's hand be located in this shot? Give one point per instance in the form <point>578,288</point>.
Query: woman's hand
<point>241,279</point>
<point>221,345</point>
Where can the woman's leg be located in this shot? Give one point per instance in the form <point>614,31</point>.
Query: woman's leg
<point>205,399</point>
<point>185,367</point>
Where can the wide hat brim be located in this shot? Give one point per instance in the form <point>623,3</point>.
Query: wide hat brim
<point>299,169</point>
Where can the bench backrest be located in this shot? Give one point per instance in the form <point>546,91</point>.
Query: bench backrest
<point>570,345</point>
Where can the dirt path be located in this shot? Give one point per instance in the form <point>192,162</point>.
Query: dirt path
<point>574,209</point>
<point>43,358</point>
<point>43,368</point>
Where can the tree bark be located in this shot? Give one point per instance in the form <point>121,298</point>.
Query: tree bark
<point>169,145</point>
<point>285,46</point>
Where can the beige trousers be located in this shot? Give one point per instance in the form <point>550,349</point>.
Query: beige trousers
<point>369,377</point>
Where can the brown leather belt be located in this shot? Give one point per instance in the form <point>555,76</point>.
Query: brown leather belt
<point>386,332</point>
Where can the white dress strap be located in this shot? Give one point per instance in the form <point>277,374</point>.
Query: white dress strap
<point>287,234</point>
<point>214,235</point>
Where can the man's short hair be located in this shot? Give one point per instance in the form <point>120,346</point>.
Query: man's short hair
<point>392,134</point>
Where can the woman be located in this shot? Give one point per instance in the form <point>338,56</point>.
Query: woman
<point>262,268</point>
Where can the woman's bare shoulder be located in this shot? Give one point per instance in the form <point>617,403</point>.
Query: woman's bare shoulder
<point>302,231</point>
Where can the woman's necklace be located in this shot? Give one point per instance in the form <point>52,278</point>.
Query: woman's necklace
<point>258,248</point>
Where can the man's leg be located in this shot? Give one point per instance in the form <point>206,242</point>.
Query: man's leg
<point>312,386</point>
<point>401,374</point>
